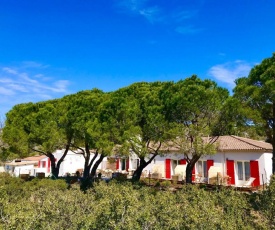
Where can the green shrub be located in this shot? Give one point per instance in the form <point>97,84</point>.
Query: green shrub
<point>266,203</point>
<point>165,183</point>
<point>47,204</point>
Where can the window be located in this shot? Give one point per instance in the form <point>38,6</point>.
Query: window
<point>137,163</point>
<point>243,170</point>
<point>202,168</point>
<point>43,164</point>
<point>123,164</point>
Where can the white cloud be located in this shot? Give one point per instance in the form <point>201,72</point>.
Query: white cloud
<point>9,70</point>
<point>20,84</point>
<point>6,92</point>
<point>230,71</point>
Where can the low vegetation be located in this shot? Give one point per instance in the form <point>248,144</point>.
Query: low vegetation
<point>49,204</point>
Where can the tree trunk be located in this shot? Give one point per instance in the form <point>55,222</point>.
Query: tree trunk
<point>189,169</point>
<point>54,167</point>
<point>93,172</point>
<point>138,172</point>
<point>143,164</point>
<point>188,176</point>
<point>86,172</point>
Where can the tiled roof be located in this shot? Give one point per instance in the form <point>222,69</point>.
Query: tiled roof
<point>34,158</point>
<point>227,143</point>
<point>22,163</point>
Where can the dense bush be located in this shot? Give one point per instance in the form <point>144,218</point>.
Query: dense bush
<point>48,204</point>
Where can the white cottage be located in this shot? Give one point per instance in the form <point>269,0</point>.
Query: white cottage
<point>27,165</point>
<point>237,160</point>
<point>73,162</point>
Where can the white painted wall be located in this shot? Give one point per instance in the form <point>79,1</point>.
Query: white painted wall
<point>264,159</point>
<point>23,169</point>
<point>73,162</point>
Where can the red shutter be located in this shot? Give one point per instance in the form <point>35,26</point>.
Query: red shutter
<point>117,164</point>
<point>183,162</point>
<point>209,163</point>
<point>38,164</point>
<point>230,171</point>
<point>127,164</point>
<point>49,165</point>
<point>168,168</point>
<point>254,172</point>
<point>193,173</point>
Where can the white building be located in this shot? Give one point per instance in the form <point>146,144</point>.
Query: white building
<point>41,164</point>
<point>237,160</point>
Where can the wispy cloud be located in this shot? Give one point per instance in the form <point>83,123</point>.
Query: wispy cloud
<point>182,15</point>
<point>156,12</point>
<point>188,29</point>
<point>26,82</point>
<point>230,71</point>
<point>151,14</point>
<point>140,8</point>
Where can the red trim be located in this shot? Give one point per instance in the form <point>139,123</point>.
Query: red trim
<point>230,171</point>
<point>193,173</point>
<point>117,163</point>
<point>209,163</point>
<point>168,168</point>
<point>183,162</point>
<point>127,164</point>
<point>49,165</point>
<point>254,172</point>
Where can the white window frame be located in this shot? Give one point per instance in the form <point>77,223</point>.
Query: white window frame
<point>203,171</point>
<point>242,176</point>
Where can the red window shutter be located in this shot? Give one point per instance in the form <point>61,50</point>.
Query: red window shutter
<point>127,164</point>
<point>193,173</point>
<point>209,163</point>
<point>183,162</point>
<point>254,172</point>
<point>38,164</point>
<point>117,164</point>
<point>168,168</point>
<point>49,165</point>
<point>230,171</point>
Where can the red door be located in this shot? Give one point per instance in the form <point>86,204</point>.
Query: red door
<point>193,173</point>
<point>230,171</point>
<point>49,165</point>
<point>168,168</point>
<point>117,164</point>
<point>254,172</point>
<point>127,164</point>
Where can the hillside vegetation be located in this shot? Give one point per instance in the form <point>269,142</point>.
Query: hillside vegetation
<point>49,204</point>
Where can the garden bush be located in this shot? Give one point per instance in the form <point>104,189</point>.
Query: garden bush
<point>48,204</point>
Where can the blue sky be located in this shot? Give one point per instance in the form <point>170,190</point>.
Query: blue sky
<point>51,48</point>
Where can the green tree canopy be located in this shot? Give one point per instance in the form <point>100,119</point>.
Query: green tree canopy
<point>257,94</point>
<point>37,128</point>
<point>193,106</point>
